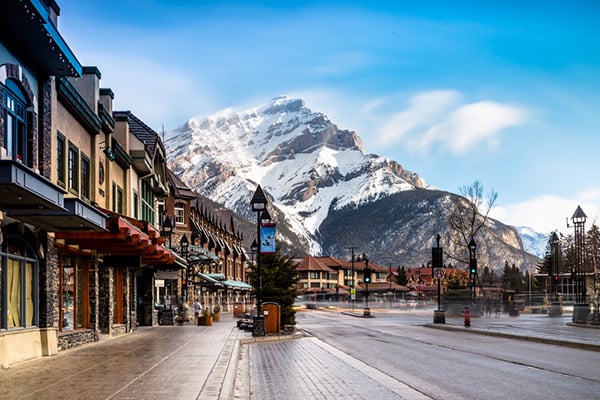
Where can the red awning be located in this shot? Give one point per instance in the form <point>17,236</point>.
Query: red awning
<point>125,236</point>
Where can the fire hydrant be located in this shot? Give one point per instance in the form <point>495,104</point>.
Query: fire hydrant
<point>467,314</point>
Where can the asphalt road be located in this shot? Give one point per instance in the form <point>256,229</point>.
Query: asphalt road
<point>458,365</point>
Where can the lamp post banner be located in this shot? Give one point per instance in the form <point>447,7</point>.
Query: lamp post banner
<point>267,238</point>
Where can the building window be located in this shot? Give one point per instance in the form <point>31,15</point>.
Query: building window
<point>85,177</point>
<point>147,201</point>
<point>74,289</point>
<point>15,121</point>
<point>315,274</point>
<point>136,205</point>
<point>61,144</point>
<point>117,198</point>
<point>18,285</point>
<point>179,213</point>
<point>73,168</point>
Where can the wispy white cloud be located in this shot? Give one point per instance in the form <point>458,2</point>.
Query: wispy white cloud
<point>424,110</point>
<point>438,118</point>
<point>547,213</point>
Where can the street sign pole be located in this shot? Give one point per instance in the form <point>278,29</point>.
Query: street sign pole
<point>437,265</point>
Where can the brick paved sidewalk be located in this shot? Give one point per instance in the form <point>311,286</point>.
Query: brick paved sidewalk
<point>163,362</point>
<point>307,368</point>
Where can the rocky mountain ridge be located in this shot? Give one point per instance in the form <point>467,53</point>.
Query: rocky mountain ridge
<point>319,180</point>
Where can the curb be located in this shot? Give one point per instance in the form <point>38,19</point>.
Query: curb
<point>295,335</point>
<point>558,342</point>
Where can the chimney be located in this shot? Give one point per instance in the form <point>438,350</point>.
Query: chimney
<point>88,86</point>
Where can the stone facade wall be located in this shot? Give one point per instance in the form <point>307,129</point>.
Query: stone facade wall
<point>48,283</point>
<point>128,308</point>
<point>45,133</point>
<point>105,311</point>
<point>76,338</point>
<point>94,295</point>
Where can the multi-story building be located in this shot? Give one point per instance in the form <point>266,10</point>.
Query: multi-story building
<point>327,278</point>
<point>215,272</point>
<point>33,56</point>
<point>80,187</point>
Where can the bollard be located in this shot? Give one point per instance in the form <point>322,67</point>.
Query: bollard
<point>467,314</point>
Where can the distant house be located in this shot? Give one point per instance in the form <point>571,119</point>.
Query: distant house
<point>330,278</point>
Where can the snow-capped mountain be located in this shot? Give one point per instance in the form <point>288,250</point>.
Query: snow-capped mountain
<point>303,161</point>
<point>534,242</point>
<point>325,192</point>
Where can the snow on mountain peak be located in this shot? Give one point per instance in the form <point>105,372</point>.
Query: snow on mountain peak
<point>300,158</point>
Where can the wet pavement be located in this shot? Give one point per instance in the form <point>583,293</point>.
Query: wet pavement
<point>223,362</point>
<point>163,362</point>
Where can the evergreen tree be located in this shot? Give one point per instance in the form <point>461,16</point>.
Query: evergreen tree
<point>402,277</point>
<point>279,279</point>
<point>592,249</point>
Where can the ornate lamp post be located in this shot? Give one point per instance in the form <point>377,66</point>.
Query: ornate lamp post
<point>184,244</point>
<point>472,267</point>
<point>555,306</point>
<point>367,279</point>
<point>352,288</point>
<point>437,271</point>
<point>259,205</point>
<point>581,309</point>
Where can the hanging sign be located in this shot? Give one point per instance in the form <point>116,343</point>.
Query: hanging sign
<point>267,238</point>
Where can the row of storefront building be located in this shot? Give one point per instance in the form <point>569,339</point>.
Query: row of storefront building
<point>97,235</point>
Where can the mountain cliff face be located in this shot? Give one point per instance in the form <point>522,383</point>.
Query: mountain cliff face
<point>325,192</point>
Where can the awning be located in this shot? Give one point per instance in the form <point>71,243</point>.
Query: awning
<point>23,189</point>
<point>237,285</point>
<point>210,280</point>
<point>229,283</point>
<point>122,238</point>
<point>31,198</point>
<point>198,254</point>
<point>76,216</point>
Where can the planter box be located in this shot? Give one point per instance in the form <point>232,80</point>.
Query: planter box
<point>216,317</point>
<point>205,321</point>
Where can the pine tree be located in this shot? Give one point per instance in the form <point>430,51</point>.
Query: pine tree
<point>279,279</point>
<point>402,277</point>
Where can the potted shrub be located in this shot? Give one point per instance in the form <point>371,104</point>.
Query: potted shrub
<point>217,313</point>
<point>206,318</point>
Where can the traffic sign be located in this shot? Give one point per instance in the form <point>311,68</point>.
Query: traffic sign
<point>438,273</point>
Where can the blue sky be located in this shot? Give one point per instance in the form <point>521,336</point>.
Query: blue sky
<point>507,93</point>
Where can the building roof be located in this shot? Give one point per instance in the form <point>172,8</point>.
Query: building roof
<point>180,189</point>
<point>143,132</point>
<point>311,263</point>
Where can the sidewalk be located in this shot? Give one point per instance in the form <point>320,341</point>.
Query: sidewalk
<point>530,327</point>
<point>162,362</point>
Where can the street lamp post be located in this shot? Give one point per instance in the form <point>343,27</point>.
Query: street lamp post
<point>184,245</point>
<point>366,280</point>
<point>555,306</point>
<point>254,250</point>
<point>259,205</point>
<point>581,308</point>
<point>437,271</point>
<point>472,268</point>
<point>352,288</point>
